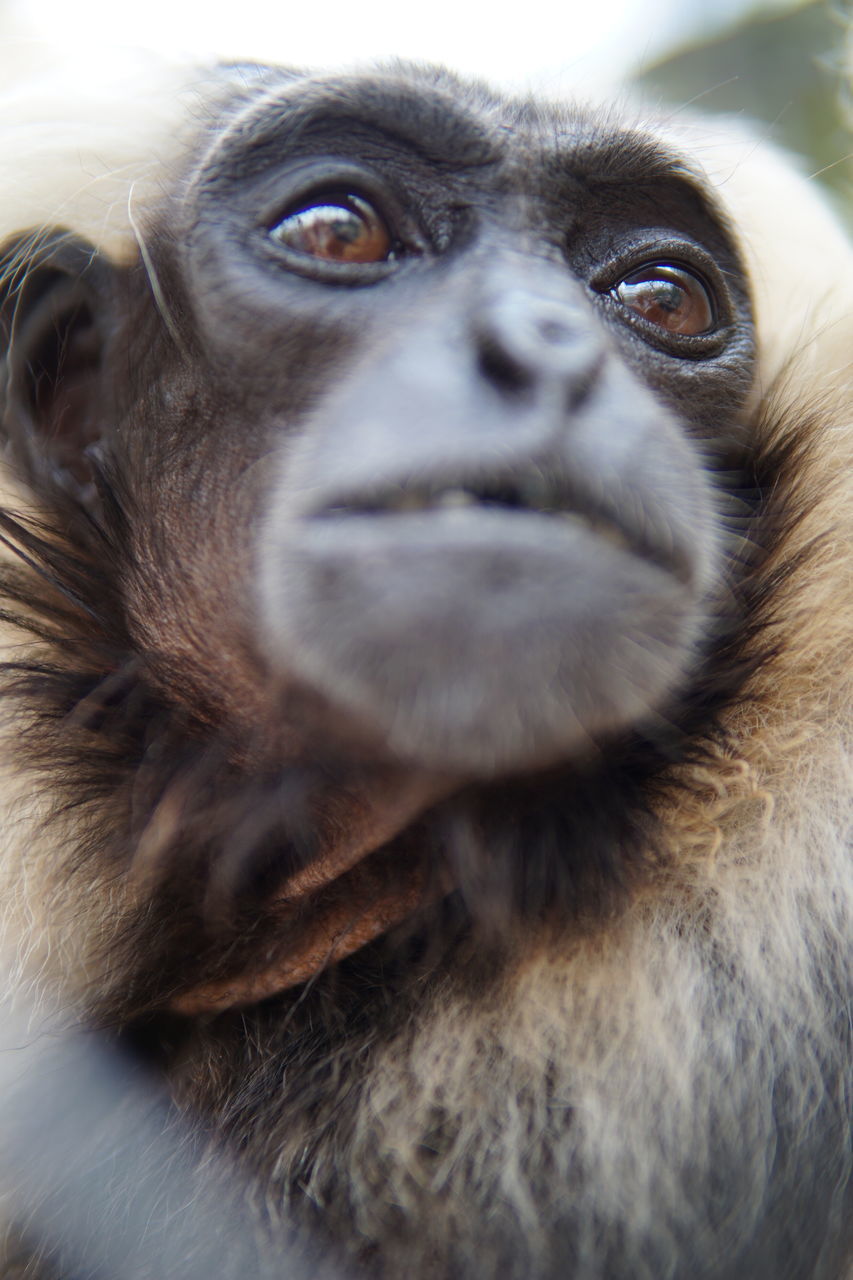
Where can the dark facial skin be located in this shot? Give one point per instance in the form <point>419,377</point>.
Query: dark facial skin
<point>463,485</point>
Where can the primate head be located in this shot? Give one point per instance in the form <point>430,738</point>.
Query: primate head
<point>421,423</point>
<point>407,457</point>
<point>429,707</point>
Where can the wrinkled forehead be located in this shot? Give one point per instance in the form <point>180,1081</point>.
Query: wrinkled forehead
<point>453,125</point>
<point>787,237</point>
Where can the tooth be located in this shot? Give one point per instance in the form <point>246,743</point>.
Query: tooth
<point>454,498</point>
<point>409,501</point>
<point>601,528</point>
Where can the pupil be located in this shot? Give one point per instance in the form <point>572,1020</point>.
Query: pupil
<point>668,297</point>
<point>321,228</point>
<point>665,295</point>
<point>346,226</point>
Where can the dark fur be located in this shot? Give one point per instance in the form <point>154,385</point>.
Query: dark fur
<point>117,727</point>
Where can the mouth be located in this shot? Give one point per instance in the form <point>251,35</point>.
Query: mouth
<point>534,495</point>
<point>481,630</point>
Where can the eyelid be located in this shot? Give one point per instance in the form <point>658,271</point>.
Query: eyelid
<point>679,252</point>
<point>346,196</point>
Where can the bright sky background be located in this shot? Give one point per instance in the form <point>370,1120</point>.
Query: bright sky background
<point>552,43</point>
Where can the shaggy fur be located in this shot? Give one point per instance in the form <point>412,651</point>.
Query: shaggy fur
<point>654,1081</point>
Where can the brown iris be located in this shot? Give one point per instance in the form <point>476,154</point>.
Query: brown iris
<point>669,297</point>
<point>342,228</point>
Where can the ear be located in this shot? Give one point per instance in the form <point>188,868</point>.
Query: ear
<point>56,297</point>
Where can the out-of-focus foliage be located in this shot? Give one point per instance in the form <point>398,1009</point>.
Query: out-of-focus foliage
<point>784,69</point>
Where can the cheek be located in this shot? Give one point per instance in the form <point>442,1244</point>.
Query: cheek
<point>275,334</point>
<point>711,397</point>
<point>188,593</point>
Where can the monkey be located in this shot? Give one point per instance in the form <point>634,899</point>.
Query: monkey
<point>426,688</point>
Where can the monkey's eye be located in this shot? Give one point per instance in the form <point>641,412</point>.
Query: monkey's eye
<point>669,297</point>
<point>342,228</point>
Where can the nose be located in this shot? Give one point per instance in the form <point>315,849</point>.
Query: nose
<point>527,342</point>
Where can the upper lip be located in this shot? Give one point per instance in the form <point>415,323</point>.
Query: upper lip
<point>532,493</point>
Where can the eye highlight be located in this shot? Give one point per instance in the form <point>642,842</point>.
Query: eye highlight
<point>338,228</point>
<point>669,297</point>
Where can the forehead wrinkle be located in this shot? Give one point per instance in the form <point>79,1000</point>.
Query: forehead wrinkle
<point>420,117</point>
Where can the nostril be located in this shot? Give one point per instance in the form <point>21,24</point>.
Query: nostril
<point>502,370</point>
<point>526,343</point>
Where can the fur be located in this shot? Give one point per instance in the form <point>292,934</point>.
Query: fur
<point>657,1086</point>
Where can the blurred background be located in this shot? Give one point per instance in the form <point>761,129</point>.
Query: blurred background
<point>777,61</point>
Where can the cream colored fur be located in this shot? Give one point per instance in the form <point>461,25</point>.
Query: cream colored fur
<point>757,874</point>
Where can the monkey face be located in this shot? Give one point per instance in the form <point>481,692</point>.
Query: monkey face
<point>437,404</point>
<point>488,542</point>
<point>396,455</point>
<point>433,668</point>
